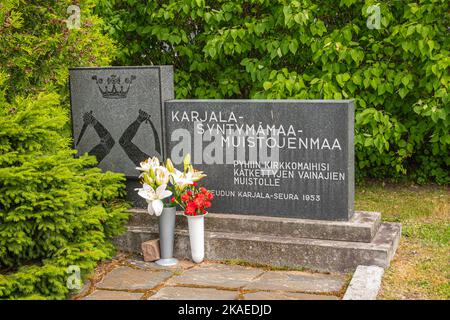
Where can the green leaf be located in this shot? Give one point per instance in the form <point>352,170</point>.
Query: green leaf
<point>293,46</point>
<point>403,92</point>
<point>267,85</point>
<point>356,78</point>
<point>347,35</point>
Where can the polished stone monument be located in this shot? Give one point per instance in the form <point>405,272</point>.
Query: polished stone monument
<point>117,114</point>
<point>283,158</point>
<point>281,170</point>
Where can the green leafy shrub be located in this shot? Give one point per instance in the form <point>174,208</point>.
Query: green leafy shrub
<point>37,47</point>
<point>311,49</point>
<point>55,210</point>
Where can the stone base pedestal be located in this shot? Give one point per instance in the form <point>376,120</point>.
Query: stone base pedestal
<point>335,246</point>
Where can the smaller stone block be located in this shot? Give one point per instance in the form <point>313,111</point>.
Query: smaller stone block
<point>150,250</point>
<point>365,284</point>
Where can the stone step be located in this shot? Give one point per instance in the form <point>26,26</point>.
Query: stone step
<point>317,254</point>
<point>361,228</point>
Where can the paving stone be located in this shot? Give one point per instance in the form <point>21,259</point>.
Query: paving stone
<point>113,295</point>
<point>126,278</point>
<point>264,295</point>
<point>187,293</point>
<point>150,250</point>
<point>217,275</point>
<point>297,281</point>
<point>181,265</point>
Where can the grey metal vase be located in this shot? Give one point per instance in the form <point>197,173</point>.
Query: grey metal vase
<point>166,236</point>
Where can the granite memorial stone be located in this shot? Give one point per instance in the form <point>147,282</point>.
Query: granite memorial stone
<point>286,158</point>
<point>117,114</point>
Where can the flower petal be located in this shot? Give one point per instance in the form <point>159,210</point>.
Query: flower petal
<point>160,190</point>
<point>150,208</point>
<point>158,207</point>
<point>165,194</point>
<point>144,194</point>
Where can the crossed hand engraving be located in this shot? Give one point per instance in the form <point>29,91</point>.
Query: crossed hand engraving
<point>107,142</point>
<point>89,118</point>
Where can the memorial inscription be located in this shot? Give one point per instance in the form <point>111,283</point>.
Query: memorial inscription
<point>290,158</point>
<point>117,114</point>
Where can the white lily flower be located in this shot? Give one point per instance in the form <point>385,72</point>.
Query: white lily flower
<point>195,175</point>
<point>162,175</point>
<point>148,164</point>
<point>180,179</point>
<point>154,197</point>
<point>145,166</point>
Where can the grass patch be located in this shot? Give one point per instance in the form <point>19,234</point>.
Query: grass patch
<point>420,269</point>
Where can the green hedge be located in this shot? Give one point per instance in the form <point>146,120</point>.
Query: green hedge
<point>37,48</point>
<point>55,210</point>
<point>310,49</point>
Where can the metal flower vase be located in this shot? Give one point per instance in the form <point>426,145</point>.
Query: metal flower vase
<point>166,236</point>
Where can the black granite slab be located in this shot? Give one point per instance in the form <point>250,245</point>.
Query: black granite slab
<point>300,164</point>
<point>117,114</point>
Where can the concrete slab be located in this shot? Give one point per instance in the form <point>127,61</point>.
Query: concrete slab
<point>217,275</point>
<point>297,281</point>
<point>291,251</point>
<point>186,293</point>
<point>126,278</point>
<point>113,295</point>
<point>322,255</point>
<point>365,283</point>
<point>361,228</point>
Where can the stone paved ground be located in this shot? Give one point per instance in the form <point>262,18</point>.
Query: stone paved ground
<point>133,279</point>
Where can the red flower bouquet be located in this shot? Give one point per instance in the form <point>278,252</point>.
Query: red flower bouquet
<point>195,200</point>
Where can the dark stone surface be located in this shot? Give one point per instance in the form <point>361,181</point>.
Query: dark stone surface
<point>120,109</point>
<point>132,195</point>
<point>316,142</point>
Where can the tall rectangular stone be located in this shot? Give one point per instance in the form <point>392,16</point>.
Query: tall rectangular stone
<point>117,115</point>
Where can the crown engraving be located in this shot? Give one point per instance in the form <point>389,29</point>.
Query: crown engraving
<point>113,88</point>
